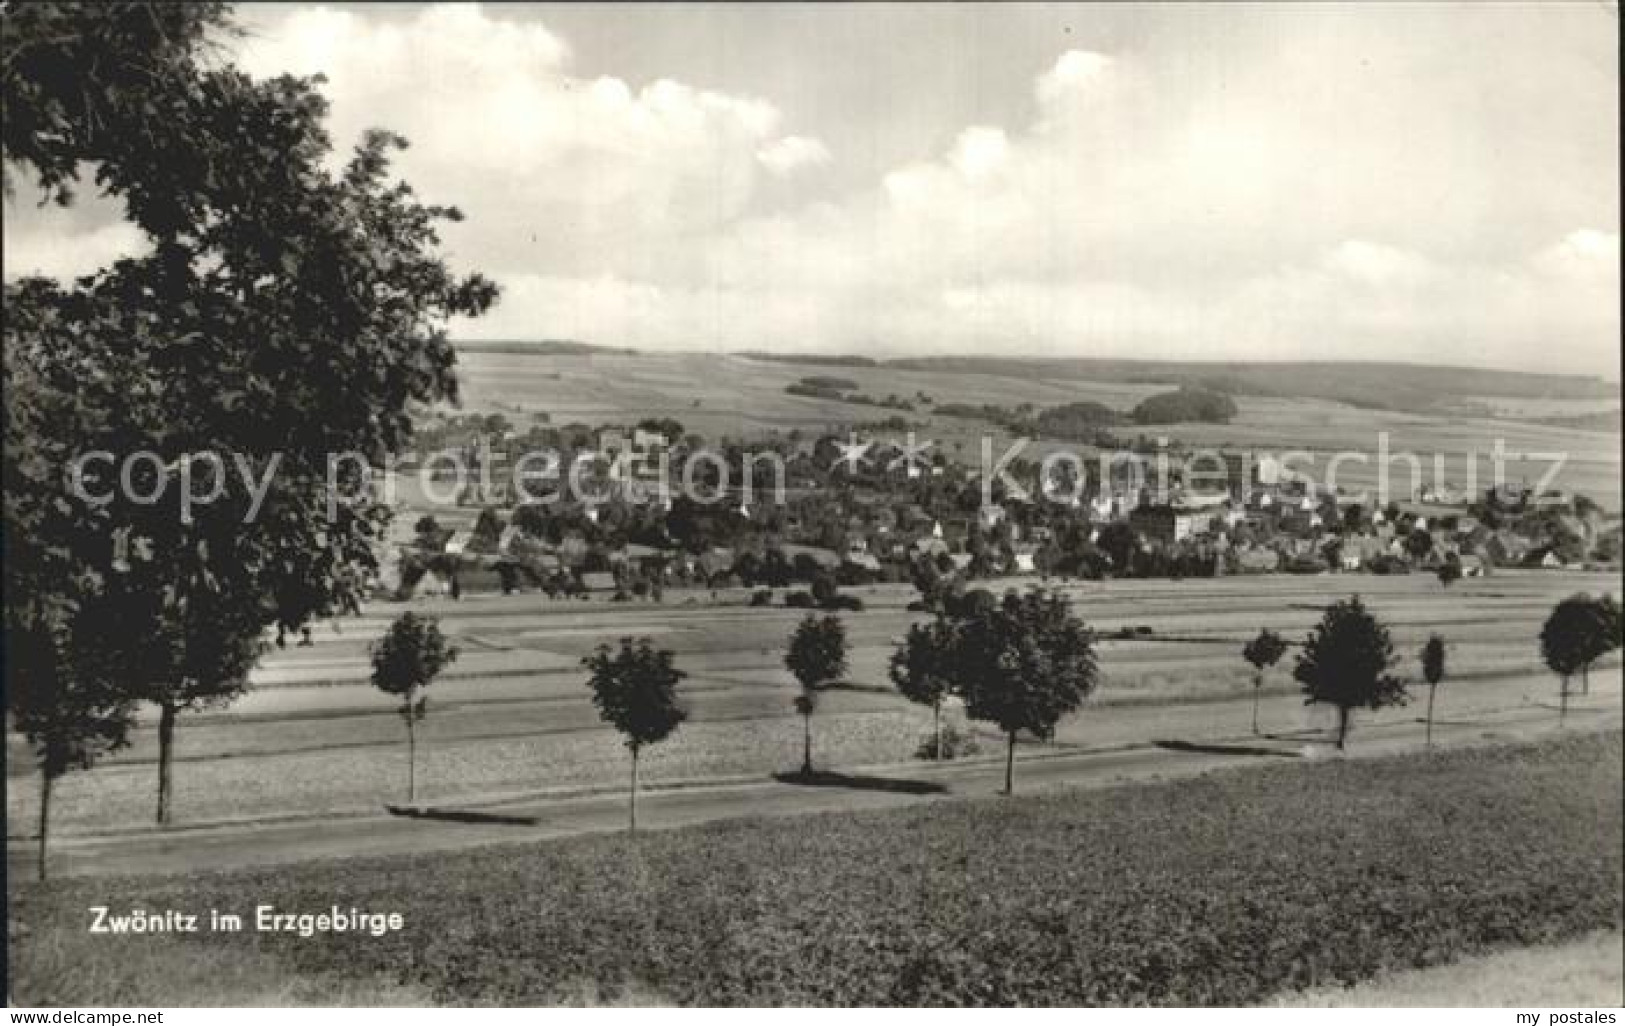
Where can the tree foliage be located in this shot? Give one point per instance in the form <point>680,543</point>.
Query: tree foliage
<point>1264,650</point>
<point>1025,664</point>
<point>1345,663</point>
<point>1433,668</point>
<point>405,660</point>
<point>410,655</point>
<point>634,689</point>
<point>83,83</point>
<point>282,313</point>
<point>1579,631</point>
<point>923,667</point>
<point>817,652</point>
<point>1185,405</point>
<point>1433,659</point>
<point>816,657</point>
<point>1120,542</point>
<point>1419,544</point>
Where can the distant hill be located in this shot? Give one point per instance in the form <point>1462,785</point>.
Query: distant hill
<point>542,347</point>
<point>1401,387</point>
<point>1379,386</point>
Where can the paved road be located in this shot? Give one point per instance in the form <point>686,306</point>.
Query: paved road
<point>526,820</point>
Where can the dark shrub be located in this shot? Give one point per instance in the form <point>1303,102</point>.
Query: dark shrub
<point>956,744</point>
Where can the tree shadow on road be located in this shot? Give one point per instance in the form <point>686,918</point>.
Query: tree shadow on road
<point>1218,749</point>
<point>462,816</point>
<point>830,778</point>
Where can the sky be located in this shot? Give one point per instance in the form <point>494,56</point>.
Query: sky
<point>1429,183</point>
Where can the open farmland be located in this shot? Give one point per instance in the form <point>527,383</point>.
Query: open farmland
<point>733,396</point>
<point>1226,889</point>
<point>513,714</point>
<point>721,395</point>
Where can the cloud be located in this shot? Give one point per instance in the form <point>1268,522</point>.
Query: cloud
<point>39,246</point>
<point>792,153</point>
<point>1073,76</point>
<point>557,173</point>
<point>1271,182</point>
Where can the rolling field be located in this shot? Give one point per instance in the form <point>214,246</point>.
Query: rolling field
<point>722,395</point>
<point>513,714</point>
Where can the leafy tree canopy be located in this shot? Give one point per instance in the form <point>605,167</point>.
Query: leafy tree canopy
<point>1265,650</point>
<point>1433,659</point>
<point>1579,631</point>
<point>924,666</point>
<point>817,653</point>
<point>410,654</point>
<point>1346,660</point>
<point>1026,663</point>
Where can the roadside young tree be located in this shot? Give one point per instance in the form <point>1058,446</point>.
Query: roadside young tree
<point>68,728</point>
<point>817,657</point>
<point>1579,631</point>
<point>63,696</point>
<point>1604,636</point>
<point>1023,665</point>
<point>635,690</point>
<point>1433,660</point>
<point>923,668</point>
<point>1345,663</point>
<point>1449,571</point>
<point>62,692</point>
<point>405,660</point>
<point>1263,652</point>
<point>192,654</point>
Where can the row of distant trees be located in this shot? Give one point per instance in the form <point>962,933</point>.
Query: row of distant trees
<point>1021,662</point>
<point>1347,658</point>
<point>634,687</point>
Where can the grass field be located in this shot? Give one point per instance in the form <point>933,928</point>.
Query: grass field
<point>1226,889</point>
<point>1571,974</point>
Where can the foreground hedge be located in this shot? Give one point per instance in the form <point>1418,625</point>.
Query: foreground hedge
<point>1219,890</point>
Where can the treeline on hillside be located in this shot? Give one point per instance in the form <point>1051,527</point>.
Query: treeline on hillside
<point>1185,406</point>
<point>812,360</point>
<point>1077,419</point>
<point>1087,422</point>
<point>843,390</point>
<point>1091,422</point>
